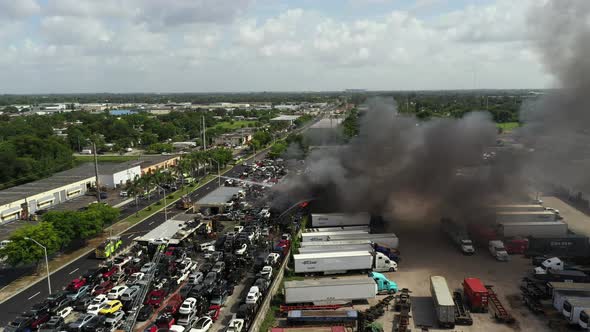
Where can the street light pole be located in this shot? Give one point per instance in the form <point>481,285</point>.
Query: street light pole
<point>46,261</point>
<point>165,210</point>
<point>218,172</point>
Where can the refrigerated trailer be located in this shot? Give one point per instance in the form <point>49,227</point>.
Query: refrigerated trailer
<point>514,216</point>
<point>329,291</point>
<point>535,229</point>
<point>342,262</point>
<point>443,301</point>
<point>340,219</point>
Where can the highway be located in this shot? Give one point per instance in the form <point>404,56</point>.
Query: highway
<point>59,279</point>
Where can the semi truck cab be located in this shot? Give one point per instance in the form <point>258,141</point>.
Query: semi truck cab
<point>498,251</point>
<point>553,263</point>
<point>384,285</point>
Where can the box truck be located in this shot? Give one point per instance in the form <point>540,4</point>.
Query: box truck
<point>520,216</point>
<point>532,228</point>
<point>340,219</point>
<point>329,291</point>
<point>341,262</point>
<point>476,294</point>
<point>573,307</point>
<point>443,302</point>
<point>519,208</point>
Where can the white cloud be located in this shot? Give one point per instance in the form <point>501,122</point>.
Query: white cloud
<point>18,9</point>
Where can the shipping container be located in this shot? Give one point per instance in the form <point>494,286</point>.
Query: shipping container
<point>329,290</point>
<point>536,228</point>
<point>476,294</point>
<point>443,301</point>
<point>340,219</point>
<point>525,216</point>
<point>562,246</point>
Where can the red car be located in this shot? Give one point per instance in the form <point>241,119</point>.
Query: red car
<point>173,304</point>
<point>110,272</point>
<point>41,319</point>
<point>151,328</point>
<point>103,288</point>
<point>76,284</point>
<point>170,251</point>
<point>155,297</point>
<point>214,311</point>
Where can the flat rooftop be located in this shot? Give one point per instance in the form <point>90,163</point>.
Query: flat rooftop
<point>220,195</point>
<point>165,230</point>
<point>322,282</point>
<point>286,118</point>
<point>327,123</point>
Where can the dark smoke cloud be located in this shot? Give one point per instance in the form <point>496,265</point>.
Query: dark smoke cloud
<point>557,125</point>
<point>404,168</point>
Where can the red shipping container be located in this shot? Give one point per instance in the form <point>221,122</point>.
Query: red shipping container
<point>476,294</point>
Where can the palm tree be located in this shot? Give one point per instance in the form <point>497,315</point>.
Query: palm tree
<point>183,167</point>
<point>146,182</point>
<point>134,189</point>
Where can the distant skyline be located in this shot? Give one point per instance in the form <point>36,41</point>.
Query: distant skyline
<point>93,46</point>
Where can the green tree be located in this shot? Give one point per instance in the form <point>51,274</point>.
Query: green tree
<point>24,251</point>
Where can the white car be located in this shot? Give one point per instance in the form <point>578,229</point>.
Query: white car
<point>273,258</point>
<point>65,312</point>
<point>196,278</point>
<point>116,292</point>
<point>94,309</point>
<point>147,267</point>
<point>99,299</point>
<point>188,306</point>
<point>134,278</point>
<point>253,295</point>
<point>266,272</point>
<point>203,324</point>
<point>241,250</point>
<point>235,325</point>
<point>176,328</point>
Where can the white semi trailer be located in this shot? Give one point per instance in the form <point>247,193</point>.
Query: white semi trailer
<point>525,216</point>
<point>519,207</point>
<point>342,262</point>
<point>366,229</point>
<point>348,247</point>
<point>327,236</point>
<point>443,302</point>
<point>389,240</point>
<point>340,219</point>
<point>534,229</point>
<point>330,291</point>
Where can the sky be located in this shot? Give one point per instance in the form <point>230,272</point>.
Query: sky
<point>87,46</point>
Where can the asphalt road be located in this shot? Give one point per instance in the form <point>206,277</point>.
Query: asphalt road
<point>59,279</point>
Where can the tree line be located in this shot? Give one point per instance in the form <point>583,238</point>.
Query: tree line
<point>56,231</point>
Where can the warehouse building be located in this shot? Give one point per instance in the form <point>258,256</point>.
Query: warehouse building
<point>216,201</point>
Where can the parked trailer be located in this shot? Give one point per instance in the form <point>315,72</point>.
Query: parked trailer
<point>534,228</point>
<point>443,301</point>
<point>559,298</point>
<point>322,316</point>
<point>389,240</point>
<point>311,329</point>
<point>328,290</point>
<point>340,219</point>
<point>519,208</point>
<point>341,262</point>
<point>350,247</point>
<point>462,316</point>
<point>496,307</point>
<point>476,294</point>
<point>333,243</point>
<point>573,307</point>
<point>525,216</point>
<point>562,246</point>
<point>553,287</point>
<point>327,236</point>
<point>366,229</point>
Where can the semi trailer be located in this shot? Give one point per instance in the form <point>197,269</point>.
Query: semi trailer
<point>349,247</point>
<point>443,302</point>
<point>366,229</point>
<point>342,262</point>
<point>569,246</point>
<point>340,219</point>
<point>524,216</point>
<point>389,240</point>
<point>330,291</point>
<point>532,228</point>
<point>519,208</point>
<point>327,236</point>
<point>322,317</point>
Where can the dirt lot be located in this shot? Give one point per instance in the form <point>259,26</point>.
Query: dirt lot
<point>425,252</point>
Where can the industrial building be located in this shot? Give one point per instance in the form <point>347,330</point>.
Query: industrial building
<point>21,201</point>
<point>237,138</point>
<point>216,201</point>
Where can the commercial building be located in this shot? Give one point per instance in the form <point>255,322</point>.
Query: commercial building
<point>216,201</point>
<point>237,138</point>
<point>151,164</point>
<point>116,175</point>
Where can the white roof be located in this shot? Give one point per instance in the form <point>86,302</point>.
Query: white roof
<point>443,294</point>
<point>322,282</point>
<point>332,254</point>
<point>285,118</point>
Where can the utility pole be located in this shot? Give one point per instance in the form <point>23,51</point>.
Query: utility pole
<point>204,135</point>
<point>96,171</point>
